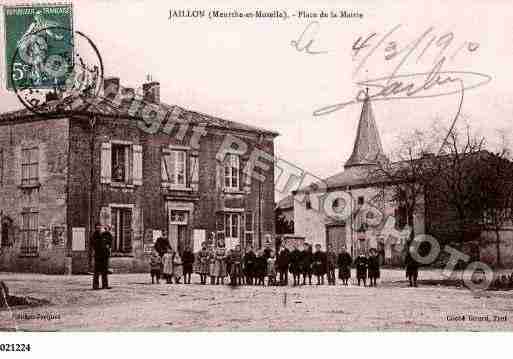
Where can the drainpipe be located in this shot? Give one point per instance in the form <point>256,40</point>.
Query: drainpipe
<point>92,124</point>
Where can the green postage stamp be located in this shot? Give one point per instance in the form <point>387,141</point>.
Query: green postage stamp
<point>38,45</point>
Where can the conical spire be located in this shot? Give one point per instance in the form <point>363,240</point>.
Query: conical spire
<point>367,148</point>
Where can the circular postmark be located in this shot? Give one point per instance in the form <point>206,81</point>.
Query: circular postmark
<point>56,63</point>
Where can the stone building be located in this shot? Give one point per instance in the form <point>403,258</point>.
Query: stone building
<point>312,207</point>
<point>189,176</point>
<point>357,210</point>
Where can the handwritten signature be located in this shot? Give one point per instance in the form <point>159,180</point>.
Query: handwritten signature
<point>402,85</point>
<point>307,38</point>
<point>434,83</point>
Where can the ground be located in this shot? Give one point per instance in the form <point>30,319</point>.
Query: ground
<point>135,304</point>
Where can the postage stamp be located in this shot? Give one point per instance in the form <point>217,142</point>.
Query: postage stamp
<point>38,45</point>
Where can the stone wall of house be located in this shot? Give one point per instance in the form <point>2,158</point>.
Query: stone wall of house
<point>45,195</point>
<point>313,223</point>
<point>150,201</point>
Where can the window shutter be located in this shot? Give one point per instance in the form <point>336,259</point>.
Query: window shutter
<point>129,164</point>
<point>137,165</point>
<point>245,177</point>
<point>106,163</point>
<point>105,215</point>
<point>219,175</point>
<point>194,172</point>
<point>242,230</point>
<point>163,167</point>
<point>220,229</point>
<point>17,165</point>
<point>127,231</point>
<point>42,163</point>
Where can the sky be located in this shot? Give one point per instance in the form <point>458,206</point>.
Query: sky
<point>247,70</point>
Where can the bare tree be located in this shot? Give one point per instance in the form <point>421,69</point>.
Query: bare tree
<point>456,184</point>
<point>406,175</point>
<point>496,188</point>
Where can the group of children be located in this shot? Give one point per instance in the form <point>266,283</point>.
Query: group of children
<point>171,266</point>
<point>250,268</point>
<point>254,267</point>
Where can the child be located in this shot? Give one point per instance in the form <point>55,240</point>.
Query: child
<point>331,263</point>
<point>155,267</point>
<point>177,268</point>
<point>220,265</point>
<point>271,269</point>
<point>188,262</point>
<point>167,263</point>
<point>373,266</point>
<point>295,264</point>
<point>211,266</point>
<point>306,263</point>
<point>344,262</point>
<point>361,268</point>
<point>203,256</point>
<point>235,261</point>
<point>412,268</point>
<point>260,268</point>
<point>319,264</point>
<point>249,265</point>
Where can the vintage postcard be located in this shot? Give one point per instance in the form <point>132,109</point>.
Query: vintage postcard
<point>279,166</point>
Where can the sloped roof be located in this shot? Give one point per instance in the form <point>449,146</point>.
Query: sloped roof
<point>367,147</point>
<point>286,202</point>
<point>104,107</point>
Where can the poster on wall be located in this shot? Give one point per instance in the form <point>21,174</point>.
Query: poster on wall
<point>78,239</point>
<point>199,236</point>
<point>58,235</point>
<point>148,241</point>
<point>45,238</point>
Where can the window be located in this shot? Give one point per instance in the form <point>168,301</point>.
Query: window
<point>178,217</point>
<point>231,172</point>
<point>249,228</point>
<point>29,234</point>
<point>308,202</point>
<point>120,162</point>
<point>29,166</point>
<point>121,230</point>
<point>232,229</point>
<point>6,228</point>
<point>174,167</point>
<point>361,200</point>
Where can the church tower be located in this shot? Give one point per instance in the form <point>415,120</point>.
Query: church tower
<point>367,149</point>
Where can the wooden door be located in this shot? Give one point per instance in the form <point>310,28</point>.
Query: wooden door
<point>336,237</point>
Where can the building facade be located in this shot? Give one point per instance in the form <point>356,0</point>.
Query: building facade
<point>356,210</point>
<point>191,179</point>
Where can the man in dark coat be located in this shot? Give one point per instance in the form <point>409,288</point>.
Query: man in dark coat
<point>188,263</point>
<point>267,252</point>
<point>319,264</point>
<point>412,268</point>
<point>306,263</point>
<point>344,262</point>
<point>162,245</point>
<point>249,265</point>
<point>282,263</point>
<point>373,266</point>
<point>361,268</point>
<point>101,242</point>
<point>295,264</point>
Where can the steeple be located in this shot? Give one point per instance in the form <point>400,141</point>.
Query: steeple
<point>367,149</point>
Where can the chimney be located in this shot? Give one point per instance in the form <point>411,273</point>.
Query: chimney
<point>151,92</point>
<point>110,87</point>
